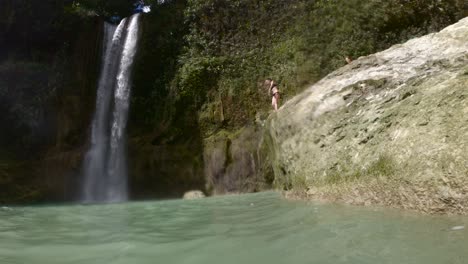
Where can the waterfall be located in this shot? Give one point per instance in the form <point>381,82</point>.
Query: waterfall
<point>105,164</point>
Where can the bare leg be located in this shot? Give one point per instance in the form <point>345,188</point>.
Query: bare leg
<point>277,97</point>
<point>274,101</point>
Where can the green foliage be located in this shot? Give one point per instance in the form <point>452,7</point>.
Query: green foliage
<point>109,7</point>
<point>102,7</point>
<point>233,45</point>
<point>334,29</point>
<point>160,46</point>
<point>197,74</point>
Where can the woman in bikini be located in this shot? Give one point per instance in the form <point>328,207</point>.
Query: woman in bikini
<point>274,91</point>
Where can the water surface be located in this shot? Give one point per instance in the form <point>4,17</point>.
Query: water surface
<point>258,228</point>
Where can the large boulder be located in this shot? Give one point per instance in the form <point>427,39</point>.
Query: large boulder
<point>400,113</point>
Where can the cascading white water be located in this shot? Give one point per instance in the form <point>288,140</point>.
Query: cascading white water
<point>105,164</point>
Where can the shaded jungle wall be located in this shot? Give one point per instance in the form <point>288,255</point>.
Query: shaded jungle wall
<point>49,58</point>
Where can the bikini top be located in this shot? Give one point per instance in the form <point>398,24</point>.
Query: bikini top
<point>274,89</point>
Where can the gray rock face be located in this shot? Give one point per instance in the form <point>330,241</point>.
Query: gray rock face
<point>237,162</point>
<point>405,107</point>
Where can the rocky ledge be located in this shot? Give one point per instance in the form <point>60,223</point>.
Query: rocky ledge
<point>388,129</point>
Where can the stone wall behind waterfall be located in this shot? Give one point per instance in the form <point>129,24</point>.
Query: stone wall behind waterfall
<point>401,112</point>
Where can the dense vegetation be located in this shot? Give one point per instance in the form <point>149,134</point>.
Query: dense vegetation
<point>38,40</point>
<point>49,58</point>
<point>233,45</point>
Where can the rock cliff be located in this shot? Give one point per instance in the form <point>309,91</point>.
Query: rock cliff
<point>388,129</point>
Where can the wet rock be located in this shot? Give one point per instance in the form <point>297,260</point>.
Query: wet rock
<point>238,162</point>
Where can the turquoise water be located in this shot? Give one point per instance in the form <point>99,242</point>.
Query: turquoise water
<point>258,228</point>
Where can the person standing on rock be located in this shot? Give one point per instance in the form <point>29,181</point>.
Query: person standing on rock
<point>348,59</point>
<point>274,92</point>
